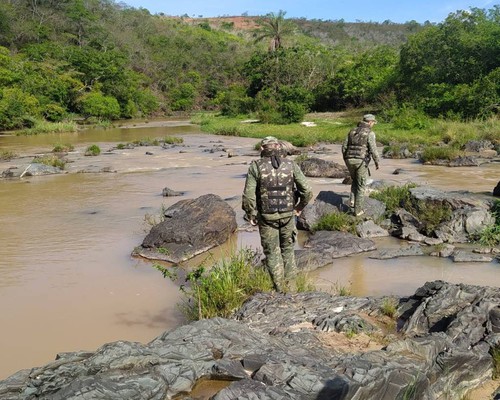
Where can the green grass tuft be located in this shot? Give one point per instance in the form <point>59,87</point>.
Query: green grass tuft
<point>222,289</point>
<point>42,127</point>
<point>389,307</point>
<point>172,140</point>
<point>93,150</point>
<point>394,197</point>
<point>432,154</point>
<point>51,160</point>
<point>63,148</point>
<point>7,155</point>
<point>336,221</point>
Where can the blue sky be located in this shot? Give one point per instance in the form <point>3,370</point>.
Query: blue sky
<point>349,10</point>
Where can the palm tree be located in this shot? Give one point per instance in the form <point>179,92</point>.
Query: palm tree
<point>274,27</point>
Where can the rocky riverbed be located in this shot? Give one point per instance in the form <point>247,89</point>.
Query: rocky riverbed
<point>439,344</point>
<point>144,371</point>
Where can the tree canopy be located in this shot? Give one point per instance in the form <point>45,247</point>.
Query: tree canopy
<point>105,60</point>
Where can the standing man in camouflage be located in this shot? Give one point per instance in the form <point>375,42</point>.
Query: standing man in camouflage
<point>358,149</point>
<point>269,201</point>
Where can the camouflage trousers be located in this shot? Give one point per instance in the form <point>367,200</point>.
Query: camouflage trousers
<point>278,239</point>
<point>359,175</point>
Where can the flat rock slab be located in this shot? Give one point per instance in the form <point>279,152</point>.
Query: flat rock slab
<point>407,251</point>
<point>190,227</point>
<point>324,246</point>
<point>465,256</point>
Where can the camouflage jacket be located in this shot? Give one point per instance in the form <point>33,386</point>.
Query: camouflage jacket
<point>270,192</point>
<point>361,143</point>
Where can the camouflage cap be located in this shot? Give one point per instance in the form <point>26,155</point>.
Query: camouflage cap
<point>369,117</point>
<point>269,140</point>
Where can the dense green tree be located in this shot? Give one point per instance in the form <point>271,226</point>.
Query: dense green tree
<point>95,104</point>
<point>59,56</point>
<point>17,109</point>
<point>442,66</point>
<point>364,77</point>
<point>305,66</point>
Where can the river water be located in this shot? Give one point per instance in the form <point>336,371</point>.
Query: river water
<point>68,281</point>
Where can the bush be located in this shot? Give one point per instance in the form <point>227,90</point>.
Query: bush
<point>54,113</point>
<point>93,150</point>
<point>95,104</point>
<point>490,235</point>
<point>17,109</point>
<point>270,117</point>
<point>146,102</point>
<point>63,148</point>
<point>223,289</point>
<point>431,215</point>
<point>183,97</point>
<point>234,101</point>
<point>407,118</point>
<point>292,112</point>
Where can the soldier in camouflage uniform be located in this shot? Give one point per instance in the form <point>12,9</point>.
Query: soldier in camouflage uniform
<point>269,201</point>
<point>358,149</point>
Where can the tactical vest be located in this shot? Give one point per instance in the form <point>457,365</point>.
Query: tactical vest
<point>357,143</point>
<point>276,186</point>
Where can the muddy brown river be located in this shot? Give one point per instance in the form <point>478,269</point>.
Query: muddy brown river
<point>68,281</point>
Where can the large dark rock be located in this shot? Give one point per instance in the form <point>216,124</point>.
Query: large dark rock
<point>328,202</point>
<point>468,214</point>
<point>190,227</point>
<point>455,200</point>
<point>324,246</point>
<point>318,168</point>
<point>294,346</point>
<point>33,169</point>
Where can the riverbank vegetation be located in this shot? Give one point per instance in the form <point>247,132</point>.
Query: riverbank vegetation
<point>221,289</point>
<point>76,61</point>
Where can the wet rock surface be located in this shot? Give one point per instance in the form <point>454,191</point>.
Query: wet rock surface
<point>464,215</point>
<point>317,167</point>
<point>324,246</point>
<point>300,346</point>
<point>190,227</point>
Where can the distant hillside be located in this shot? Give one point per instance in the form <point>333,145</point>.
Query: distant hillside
<point>362,33</point>
<point>333,33</point>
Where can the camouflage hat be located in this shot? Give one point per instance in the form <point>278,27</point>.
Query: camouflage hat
<point>269,140</point>
<point>369,117</point>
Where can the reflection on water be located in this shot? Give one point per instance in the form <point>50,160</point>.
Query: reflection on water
<point>364,276</point>
<point>68,282</point>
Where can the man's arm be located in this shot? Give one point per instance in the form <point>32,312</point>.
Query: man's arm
<point>303,188</point>
<point>344,146</point>
<point>249,200</point>
<point>372,148</point>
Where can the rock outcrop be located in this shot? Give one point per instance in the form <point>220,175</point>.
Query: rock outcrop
<point>317,167</point>
<point>302,346</point>
<point>190,227</point>
<point>324,246</point>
